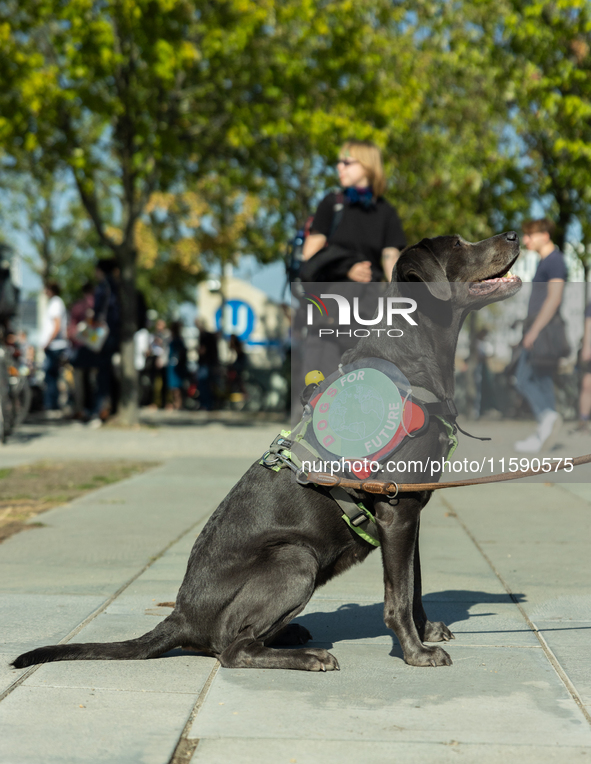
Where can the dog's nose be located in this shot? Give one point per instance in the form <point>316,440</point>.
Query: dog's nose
<point>511,236</point>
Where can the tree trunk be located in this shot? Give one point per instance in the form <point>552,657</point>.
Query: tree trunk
<point>129,402</point>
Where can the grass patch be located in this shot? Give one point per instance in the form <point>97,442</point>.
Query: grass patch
<point>28,490</point>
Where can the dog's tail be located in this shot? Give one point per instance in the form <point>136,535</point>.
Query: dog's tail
<point>164,637</point>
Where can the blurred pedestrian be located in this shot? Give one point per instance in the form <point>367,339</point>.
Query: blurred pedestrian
<point>177,365</point>
<point>482,388</point>
<point>356,235</point>
<point>141,349</point>
<point>82,358</point>
<point>543,335</point>
<point>54,343</point>
<point>107,309</point>
<point>208,365</point>
<point>159,351</point>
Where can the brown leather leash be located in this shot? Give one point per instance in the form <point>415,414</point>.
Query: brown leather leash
<point>393,489</point>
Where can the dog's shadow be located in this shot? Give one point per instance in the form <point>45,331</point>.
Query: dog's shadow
<point>357,622</point>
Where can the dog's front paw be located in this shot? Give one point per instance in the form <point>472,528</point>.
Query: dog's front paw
<point>436,631</point>
<point>318,659</point>
<point>427,656</point>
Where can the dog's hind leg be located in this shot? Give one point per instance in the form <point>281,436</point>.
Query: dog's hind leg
<point>246,652</point>
<point>275,592</point>
<point>429,631</point>
<point>398,528</point>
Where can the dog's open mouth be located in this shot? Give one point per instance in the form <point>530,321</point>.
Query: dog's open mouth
<point>491,283</point>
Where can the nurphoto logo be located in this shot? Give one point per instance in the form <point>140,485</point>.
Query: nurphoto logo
<point>387,309</point>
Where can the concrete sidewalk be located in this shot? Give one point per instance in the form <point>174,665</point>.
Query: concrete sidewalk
<point>507,567</point>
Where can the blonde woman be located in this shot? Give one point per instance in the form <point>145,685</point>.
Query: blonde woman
<point>356,235</point>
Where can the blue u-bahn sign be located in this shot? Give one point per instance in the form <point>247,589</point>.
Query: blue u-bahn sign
<point>239,319</point>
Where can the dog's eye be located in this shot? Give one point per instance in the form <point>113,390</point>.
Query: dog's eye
<point>458,243</point>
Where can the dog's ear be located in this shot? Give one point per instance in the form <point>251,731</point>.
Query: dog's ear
<point>418,263</point>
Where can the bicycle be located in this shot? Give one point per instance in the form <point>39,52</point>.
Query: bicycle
<point>15,391</point>
<point>243,392</point>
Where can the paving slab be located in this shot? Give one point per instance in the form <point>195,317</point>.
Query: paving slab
<point>301,751</point>
<point>64,579</point>
<point>582,490</point>
<point>569,643</point>
<point>575,606</point>
<point>71,725</point>
<point>488,695</point>
<point>162,436</point>
<point>8,676</point>
<point>183,673</point>
<point>537,539</point>
<point>93,545</point>
<point>154,590</point>
<point>526,515</point>
<point>27,620</point>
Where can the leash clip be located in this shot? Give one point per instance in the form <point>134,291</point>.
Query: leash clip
<point>301,477</point>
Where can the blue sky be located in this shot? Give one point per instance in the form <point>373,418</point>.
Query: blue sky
<point>268,278</point>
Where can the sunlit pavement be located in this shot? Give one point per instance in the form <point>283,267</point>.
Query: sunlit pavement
<point>506,566</point>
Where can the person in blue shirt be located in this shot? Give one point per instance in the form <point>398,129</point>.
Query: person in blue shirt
<point>534,383</point>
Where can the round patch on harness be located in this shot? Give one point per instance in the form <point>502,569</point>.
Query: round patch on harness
<point>362,414</point>
<point>358,414</point>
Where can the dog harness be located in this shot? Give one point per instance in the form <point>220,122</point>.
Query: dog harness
<point>357,418</point>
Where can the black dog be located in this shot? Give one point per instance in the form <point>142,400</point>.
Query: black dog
<point>270,543</point>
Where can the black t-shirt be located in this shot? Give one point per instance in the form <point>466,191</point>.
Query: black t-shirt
<point>551,267</point>
<point>364,231</point>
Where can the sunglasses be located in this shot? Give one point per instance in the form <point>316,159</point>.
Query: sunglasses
<point>347,162</point>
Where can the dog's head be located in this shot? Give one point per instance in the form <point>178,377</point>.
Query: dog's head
<point>482,268</point>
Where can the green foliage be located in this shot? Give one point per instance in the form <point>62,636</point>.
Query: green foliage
<point>548,55</point>
<point>129,96</point>
<point>45,208</point>
<point>196,131</point>
<point>454,168</point>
